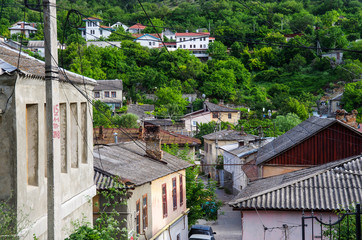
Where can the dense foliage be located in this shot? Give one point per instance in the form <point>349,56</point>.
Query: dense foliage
<point>250,57</point>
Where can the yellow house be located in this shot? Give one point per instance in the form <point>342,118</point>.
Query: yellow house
<point>156,207</point>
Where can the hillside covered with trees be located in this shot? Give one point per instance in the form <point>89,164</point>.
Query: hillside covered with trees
<point>252,63</point>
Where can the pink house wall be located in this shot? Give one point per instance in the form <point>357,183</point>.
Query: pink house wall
<point>253,221</point>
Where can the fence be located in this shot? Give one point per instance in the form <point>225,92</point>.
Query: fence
<point>340,229</point>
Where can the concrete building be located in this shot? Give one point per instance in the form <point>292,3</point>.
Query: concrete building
<point>38,46</point>
<point>110,92</point>
<point>137,28</point>
<point>93,29</point>
<point>156,208</point>
<point>150,40</point>
<point>23,172</point>
<point>197,43</point>
<point>213,142</point>
<point>210,112</point>
<point>272,207</point>
<point>23,27</point>
<point>118,25</point>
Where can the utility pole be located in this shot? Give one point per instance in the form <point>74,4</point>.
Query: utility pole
<point>53,119</point>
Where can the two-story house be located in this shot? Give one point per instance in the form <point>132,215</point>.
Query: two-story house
<point>110,92</point>
<point>197,43</point>
<point>24,28</point>
<point>156,208</point>
<point>212,150</point>
<point>150,40</point>
<point>210,112</point>
<point>93,29</point>
<point>23,141</point>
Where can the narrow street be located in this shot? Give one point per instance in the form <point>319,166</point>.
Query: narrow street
<point>228,225</point>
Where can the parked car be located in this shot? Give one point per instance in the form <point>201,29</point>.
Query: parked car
<point>201,237</point>
<point>201,230</point>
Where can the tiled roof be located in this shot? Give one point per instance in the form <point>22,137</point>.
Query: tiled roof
<point>230,135</point>
<point>139,35</point>
<point>295,136</point>
<point>129,161</point>
<point>217,108</point>
<point>331,186</point>
<point>166,137</point>
<point>104,180</point>
<point>32,66</point>
<point>138,26</point>
<point>26,27</point>
<point>94,19</point>
<point>200,34</point>
<point>140,110</point>
<point>108,85</point>
<point>211,38</point>
<point>160,122</point>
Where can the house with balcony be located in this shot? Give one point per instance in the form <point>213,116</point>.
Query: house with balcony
<point>93,29</point>
<point>24,138</point>
<point>156,208</point>
<point>197,43</point>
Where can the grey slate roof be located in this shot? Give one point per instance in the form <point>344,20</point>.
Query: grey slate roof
<point>230,135</point>
<point>140,110</point>
<point>216,108</point>
<point>160,122</point>
<point>34,67</point>
<point>331,186</point>
<point>108,85</point>
<point>130,162</point>
<point>295,136</point>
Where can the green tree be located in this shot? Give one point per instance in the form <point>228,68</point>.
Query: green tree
<point>128,120</point>
<point>352,97</point>
<point>197,194</point>
<point>285,123</point>
<point>217,50</point>
<point>221,84</point>
<point>292,105</point>
<point>102,115</point>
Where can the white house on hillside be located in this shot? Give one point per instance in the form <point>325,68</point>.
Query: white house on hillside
<point>197,43</point>
<point>150,40</point>
<point>23,27</point>
<point>137,28</point>
<point>94,30</point>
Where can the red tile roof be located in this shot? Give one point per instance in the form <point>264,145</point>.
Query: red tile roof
<point>102,26</point>
<point>192,34</point>
<point>138,26</point>
<point>138,35</point>
<point>166,137</point>
<point>92,19</point>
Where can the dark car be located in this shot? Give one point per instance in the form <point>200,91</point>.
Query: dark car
<point>201,229</point>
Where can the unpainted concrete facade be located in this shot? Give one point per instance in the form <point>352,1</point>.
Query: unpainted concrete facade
<point>23,152</point>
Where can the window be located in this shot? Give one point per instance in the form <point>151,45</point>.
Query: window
<point>184,46</point>
<point>204,45</point>
<point>174,193</point>
<point>229,115</point>
<point>149,43</point>
<point>194,46</point>
<point>178,237</point>
<point>83,32</point>
<point>96,95</point>
<point>144,212</point>
<point>164,200</point>
<point>106,94</point>
<point>194,123</point>
<point>154,43</point>
<point>180,46</point>
<point>114,94</point>
<point>138,225</point>
<point>32,149</point>
<point>215,115</point>
<point>184,39</point>
<point>181,191</point>
<point>100,32</point>
<point>200,45</point>
<point>190,46</point>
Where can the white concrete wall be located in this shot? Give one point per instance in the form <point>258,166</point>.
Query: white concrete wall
<point>252,225</point>
<point>180,227</point>
<point>149,41</point>
<point>94,32</point>
<point>77,186</point>
<point>202,118</point>
<point>119,95</point>
<point>193,42</point>
<point>104,44</point>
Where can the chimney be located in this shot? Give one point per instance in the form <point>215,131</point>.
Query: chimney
<point>153,142</point>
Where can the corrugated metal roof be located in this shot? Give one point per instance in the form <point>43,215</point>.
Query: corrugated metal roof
<point>295,136</point>
<point>129,161</point>
<point>6,67</point>
<point>331,186</point>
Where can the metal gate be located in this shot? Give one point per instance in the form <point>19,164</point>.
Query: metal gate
<point>342,229</point>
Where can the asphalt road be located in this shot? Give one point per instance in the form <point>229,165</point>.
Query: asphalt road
<point>228,224</point>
